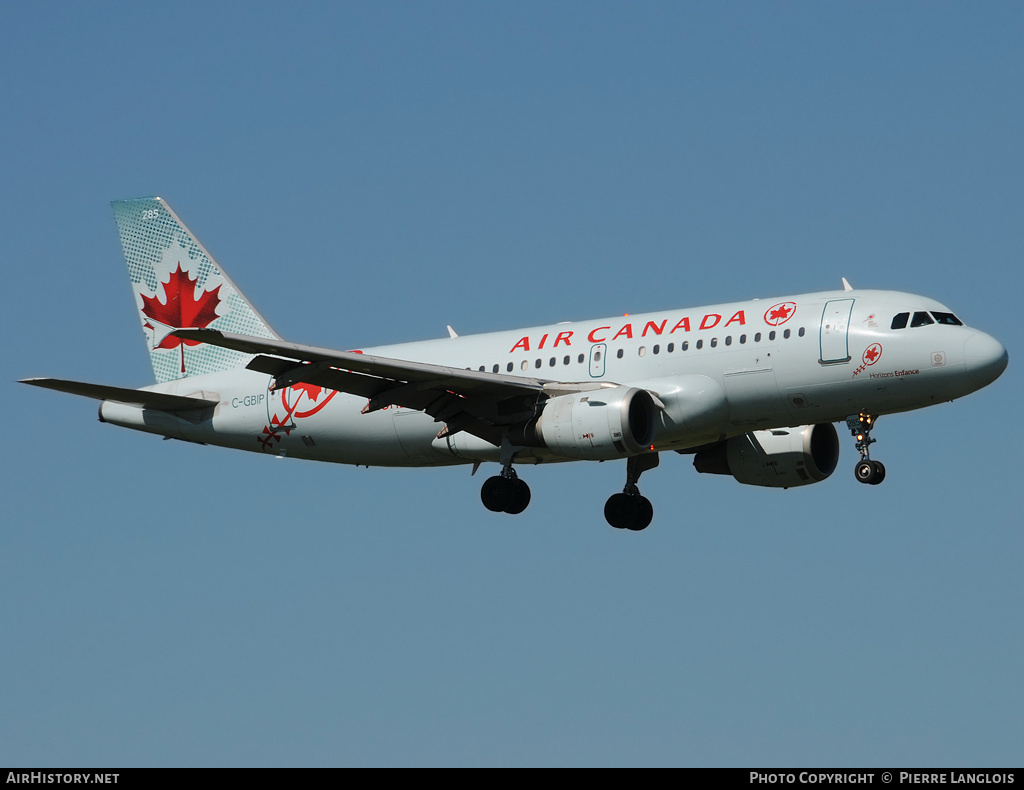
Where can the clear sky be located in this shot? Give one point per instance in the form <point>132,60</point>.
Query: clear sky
<point>370,172</point>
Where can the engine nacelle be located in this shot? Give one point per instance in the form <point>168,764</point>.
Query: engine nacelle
<point>595,425</point>
<point>779,458</point>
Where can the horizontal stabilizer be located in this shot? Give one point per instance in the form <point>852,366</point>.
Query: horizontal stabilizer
<point>142,398</point>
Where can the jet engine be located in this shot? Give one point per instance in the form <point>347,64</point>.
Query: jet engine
<point>598,424</point>
<point>778,458</point>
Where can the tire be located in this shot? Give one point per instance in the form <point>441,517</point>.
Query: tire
<point>879,473</point>
<point>620,510</point>
<point>865,472</point>
<point>496,494</point>
<point>644,514</point>
<point>520,497</point>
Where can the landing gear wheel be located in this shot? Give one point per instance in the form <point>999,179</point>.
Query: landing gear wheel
<point>645,515</point>
<point>505,494</point>
<point>618,510</point>
<point>496,493</point>
<point>628,511</point>
<point>870,472</point>
<point>520,497</point>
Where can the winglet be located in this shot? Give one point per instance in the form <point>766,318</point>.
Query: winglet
<point>452,332</point>
<point>846,285</point>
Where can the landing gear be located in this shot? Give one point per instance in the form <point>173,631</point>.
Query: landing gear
<point>505,493</point>
<point>630,509</point>
<point>871,472</point>
<point>866,471</point>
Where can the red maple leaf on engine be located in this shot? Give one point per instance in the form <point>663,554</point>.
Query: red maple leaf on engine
<point>181,308</point>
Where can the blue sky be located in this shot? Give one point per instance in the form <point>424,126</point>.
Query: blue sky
<point>368,173</point>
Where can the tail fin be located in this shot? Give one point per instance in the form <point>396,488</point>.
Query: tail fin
<point>177,285</point>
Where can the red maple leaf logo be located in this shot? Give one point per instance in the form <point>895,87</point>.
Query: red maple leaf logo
<point>181,309</point>
<point>872,353</point>
<point>779,313</point>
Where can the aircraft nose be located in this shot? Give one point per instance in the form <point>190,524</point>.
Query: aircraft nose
<point>985,357</point>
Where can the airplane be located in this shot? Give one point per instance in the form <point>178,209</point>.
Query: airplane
<point>749,389</point>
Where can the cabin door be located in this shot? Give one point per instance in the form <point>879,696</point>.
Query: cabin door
<point>834,332</point>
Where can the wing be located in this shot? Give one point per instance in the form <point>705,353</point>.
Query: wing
<point>477,402</point>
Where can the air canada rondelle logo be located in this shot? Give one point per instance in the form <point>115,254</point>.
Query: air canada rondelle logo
<point>779,313</point>
<point>871,355</point>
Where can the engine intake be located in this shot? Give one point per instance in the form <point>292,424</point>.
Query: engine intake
<point>593,425</point>
<point>778,458</point>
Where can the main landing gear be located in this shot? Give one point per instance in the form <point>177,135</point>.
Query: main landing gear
<point>866,471</point>
<point>505,493</point>
<point>630,509</point>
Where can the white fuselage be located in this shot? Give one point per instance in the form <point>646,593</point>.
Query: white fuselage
<point>719,371</point>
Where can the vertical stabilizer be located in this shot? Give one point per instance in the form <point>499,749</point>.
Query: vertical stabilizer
<point>177,284</point>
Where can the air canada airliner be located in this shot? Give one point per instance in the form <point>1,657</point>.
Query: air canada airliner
<point>749,389</point>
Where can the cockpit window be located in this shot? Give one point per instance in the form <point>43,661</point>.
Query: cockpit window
<point>921,319</point>
<point>899,320</point>
<point>947,318</point>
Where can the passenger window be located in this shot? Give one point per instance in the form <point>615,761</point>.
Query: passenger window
<point>509,368</point>
<point>580,359</point>
<point>899,321</point>
<point>684,346</point>
<point>785,334</point>
<point>656,349</point>
<point>670,348</point>
<point>801,332</point>
<point>714,342</point>
<point>642,350</point>
<point>619,353</point>
<point>771,335</point>
<point>565,361</point>
<point>537,364</point>
<point>700,344</point>
<point>743,339</point>
<point>552,362</point>
<point>921,319</point>
<point>757,337</point>
<point>947,318</point>
<point>728,340</point>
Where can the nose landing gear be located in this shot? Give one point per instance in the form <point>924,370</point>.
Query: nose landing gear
<point>866,471</point>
